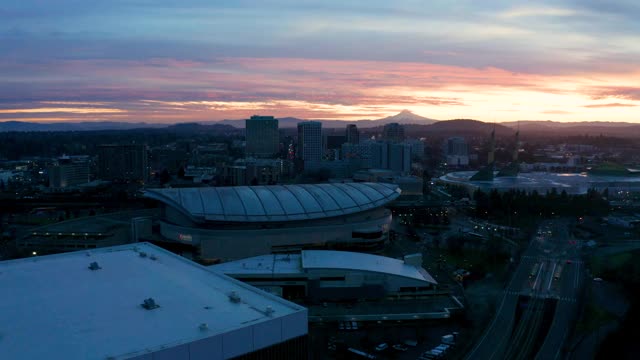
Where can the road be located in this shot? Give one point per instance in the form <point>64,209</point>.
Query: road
<point>550,272</point>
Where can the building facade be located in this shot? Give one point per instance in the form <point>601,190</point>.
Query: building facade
<point>352,134</point>
<point>69,172</point>
<point>456,151</point>
<point>325,275</point>
<point>123,162</point>
<point>393,132</point>
<point>400,158</point>
<point>310,140</point>
<point>262,136</point>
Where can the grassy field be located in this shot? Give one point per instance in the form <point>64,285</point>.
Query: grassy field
<point>599,264</point>
<point>593,318</point>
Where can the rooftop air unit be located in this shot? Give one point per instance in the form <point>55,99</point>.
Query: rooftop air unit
<point>234,297</point>
<point>149,304</point>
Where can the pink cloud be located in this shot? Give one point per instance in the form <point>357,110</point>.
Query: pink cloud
<point>595,106</point>
<point>620,92</point>
<point>310,88</point>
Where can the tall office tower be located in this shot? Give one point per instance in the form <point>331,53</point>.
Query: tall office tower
<point>516,148</point>
<point>353,135</point>
<point>310,140</point>
<point>263,139</point>
<point>123,162</point>
<point>379,155</point>
<point>491,157</point>
<point>393,132</point>
<point>332,141</point>
<point>417,148</point>
<point>456,151</point>
<point>69,171</point>
<point>400,158</point>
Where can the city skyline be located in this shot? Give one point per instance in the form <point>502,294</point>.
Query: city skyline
<point>159,62</point>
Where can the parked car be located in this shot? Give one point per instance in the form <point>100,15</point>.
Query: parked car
<point>382,347</point>
<point>411,343</point>
<point>400,347</point>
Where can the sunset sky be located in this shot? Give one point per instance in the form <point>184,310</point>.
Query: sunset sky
<point>200,60</point>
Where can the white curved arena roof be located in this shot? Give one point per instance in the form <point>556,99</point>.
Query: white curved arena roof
<point>347,260</point>
<point>276,202</point>
<point>296,264</point>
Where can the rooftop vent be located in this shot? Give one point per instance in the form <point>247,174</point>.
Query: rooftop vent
<point>142,254</point>
<point>203,327</point>
<point>234,297</point>
<point>269,311</point>
<point>94,266</point>
<point>149,304</point>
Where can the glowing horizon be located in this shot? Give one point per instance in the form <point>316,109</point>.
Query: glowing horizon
<point>159,63</point>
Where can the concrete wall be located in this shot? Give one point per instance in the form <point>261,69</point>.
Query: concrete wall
<point>241,243</point>
<point>236,342</point>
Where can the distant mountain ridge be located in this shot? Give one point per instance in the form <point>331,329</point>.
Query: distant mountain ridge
<point>592,128</point>
<point>412,122</point>
<point>405,117</point>
<point>7,126</point>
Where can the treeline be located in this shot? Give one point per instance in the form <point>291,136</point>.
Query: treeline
<point>623,342</point>
<point>517,206</point>
<point>17,145</point>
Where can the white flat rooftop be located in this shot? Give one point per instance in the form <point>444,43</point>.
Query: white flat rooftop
<point>55,307</point>
<point>280,264</point>
<point>292,264</point>
<point>276,202</point>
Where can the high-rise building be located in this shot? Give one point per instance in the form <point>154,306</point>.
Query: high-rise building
<point>393,132</point>
<point>123,162</point>
<point>333,141</point>
<point>353,135</point>
<point>69,171</point>
<point>456,151</point>
<point>380,155</point>
<point>310,140</point>
<point>263,139</point>
<point>400,158</point>
<point>417,148</point>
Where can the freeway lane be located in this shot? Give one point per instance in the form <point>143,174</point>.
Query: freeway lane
<point>550,249</point>
<point>495,340</point>
<point>563,321</point>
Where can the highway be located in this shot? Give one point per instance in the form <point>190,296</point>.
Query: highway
<point>536,311</point>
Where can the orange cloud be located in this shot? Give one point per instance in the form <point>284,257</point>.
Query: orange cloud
<point>167,90</point>
<point>595,106</point>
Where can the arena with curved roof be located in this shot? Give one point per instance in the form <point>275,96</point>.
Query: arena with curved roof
<point>234,222</point>
<point>572,183</point>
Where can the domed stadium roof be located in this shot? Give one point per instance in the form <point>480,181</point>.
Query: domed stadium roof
<point>275,202</point>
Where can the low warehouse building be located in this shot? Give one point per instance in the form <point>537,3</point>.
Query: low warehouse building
<point>342,285</point>
<point>326,275</point>
<point>139,301</point>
